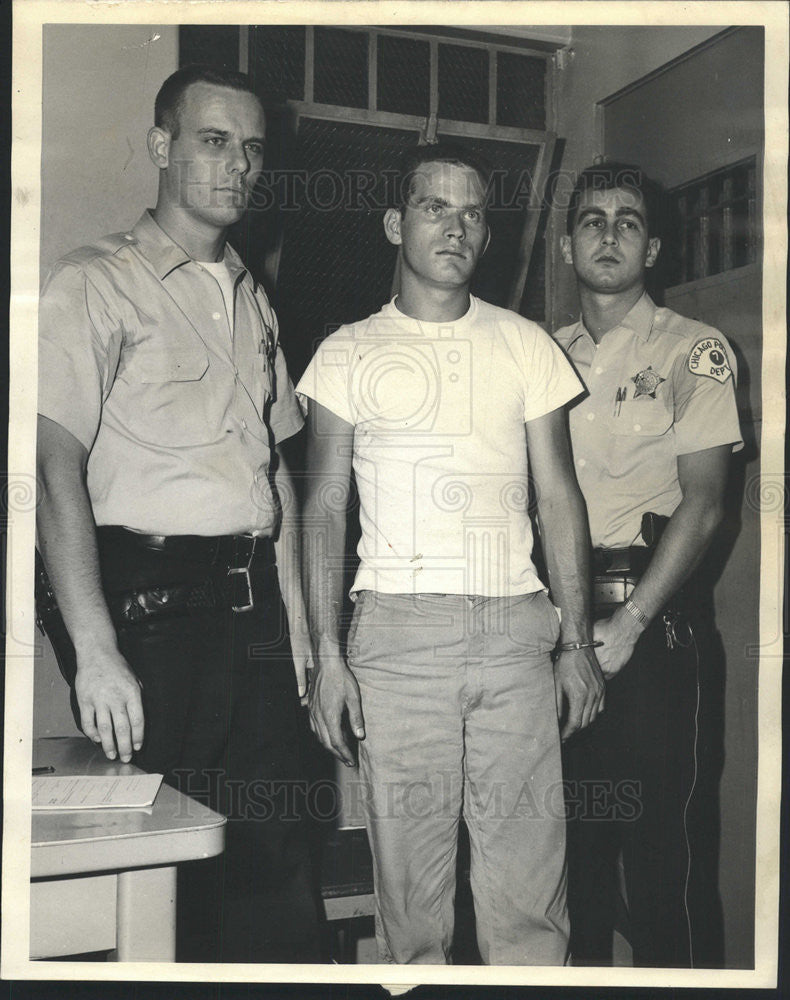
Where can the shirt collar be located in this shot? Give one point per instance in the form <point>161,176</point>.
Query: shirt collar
<point>638,320</point>
<point>640,317</point>
<point>166,255</point>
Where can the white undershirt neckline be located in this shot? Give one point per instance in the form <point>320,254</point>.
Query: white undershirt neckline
<point>219,271</point>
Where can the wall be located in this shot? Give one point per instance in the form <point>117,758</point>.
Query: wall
<point>99,85</point>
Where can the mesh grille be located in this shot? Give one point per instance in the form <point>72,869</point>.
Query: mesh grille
<point>325,189</point>
<point>215,45</point>
<point>520,91</point>
<point>463,83</point>
<point>277,63</point>
<point>514,167</point>
<point>336,265</point>
<point>403,75</point>
<point>341,67</point>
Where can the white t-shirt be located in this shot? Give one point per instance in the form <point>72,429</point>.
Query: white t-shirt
<point>440,457</point>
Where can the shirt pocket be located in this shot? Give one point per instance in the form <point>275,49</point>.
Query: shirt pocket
<point>174,363</point>
<point>642,418</point>
<point>165,398</point>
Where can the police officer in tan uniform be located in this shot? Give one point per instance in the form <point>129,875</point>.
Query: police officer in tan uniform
<point>163,402</point>
<point>651,444</point>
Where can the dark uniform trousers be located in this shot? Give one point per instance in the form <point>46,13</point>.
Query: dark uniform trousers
<point>221,723</point>
<point>629,783</point>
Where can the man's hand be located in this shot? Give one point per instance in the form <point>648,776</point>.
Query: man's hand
<point>619,635</point>
<point>577,678</point>
<point>111,708</point>
<point>108,693</point>
<point>334,690</point>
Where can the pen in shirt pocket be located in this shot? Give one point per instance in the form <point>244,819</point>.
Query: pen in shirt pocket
<point>619,399</point>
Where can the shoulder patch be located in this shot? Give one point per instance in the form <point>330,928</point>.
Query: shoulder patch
<point>708,357</point>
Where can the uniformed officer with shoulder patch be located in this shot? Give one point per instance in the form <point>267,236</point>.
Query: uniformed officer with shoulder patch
<point>651,438</point>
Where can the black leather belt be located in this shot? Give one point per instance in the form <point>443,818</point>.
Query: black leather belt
<point>215,550</point>
<point>222,573</point>
<point>225,572</point>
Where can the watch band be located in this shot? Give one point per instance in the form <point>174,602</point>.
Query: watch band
<point>636,613</point>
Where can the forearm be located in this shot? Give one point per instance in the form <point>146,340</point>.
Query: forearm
<point>323,563</point>
<point>680,550</point>
<point>287,546</point>
<point>566,543</point>
<point>67,541</point>
<point>577,676</point>
<point>108,693</point>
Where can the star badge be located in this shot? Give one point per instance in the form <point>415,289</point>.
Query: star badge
<point>646,382</point>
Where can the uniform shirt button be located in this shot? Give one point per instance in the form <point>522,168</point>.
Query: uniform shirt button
<point>128,236</point>
<point>598,370</point>
<point>591,416</point>
<point>215,316</point>
<point>244,424</point>
<point>255,477</point>
<point>637,427</point>
<point>581,463</point>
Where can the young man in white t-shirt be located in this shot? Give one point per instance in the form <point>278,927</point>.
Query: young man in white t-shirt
<point>437,402</point>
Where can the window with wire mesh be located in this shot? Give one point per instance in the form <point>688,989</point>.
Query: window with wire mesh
<point>336,264</point>
<point>463,83</point>
<point>520,90</point>
<point>404,75</point>
<point>340,67</point>
<point>277,62</point>
<point>514,166</point>
<point>714,223</point>
<point>463,73</point>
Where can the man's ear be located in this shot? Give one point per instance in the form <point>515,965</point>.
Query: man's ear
<point>392,221</point>
<point>566,249</point>
<point>653,246</point>
<point>159,146</point>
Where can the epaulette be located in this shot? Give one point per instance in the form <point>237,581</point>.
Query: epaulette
<point>103,247</point>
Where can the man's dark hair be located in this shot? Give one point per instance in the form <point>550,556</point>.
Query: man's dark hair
<point>170,99</point>
<point>607,177</point>
<point>439,152</point>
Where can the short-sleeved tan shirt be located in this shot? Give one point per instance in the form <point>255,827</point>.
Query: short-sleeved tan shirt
<point>658,385</point>
<point>178,406</point>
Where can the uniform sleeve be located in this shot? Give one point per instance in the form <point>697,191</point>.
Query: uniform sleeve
<point>285,416</point>
<point>327,378</point>
<point>79,343</point>
<point>550,381</point>
<point>706,413</point>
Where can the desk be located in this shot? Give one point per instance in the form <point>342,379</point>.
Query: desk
<point>106,878</point>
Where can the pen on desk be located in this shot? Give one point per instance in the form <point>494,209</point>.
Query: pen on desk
<point>46,769</point>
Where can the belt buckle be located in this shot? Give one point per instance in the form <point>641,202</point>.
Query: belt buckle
<point>236,571</point>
